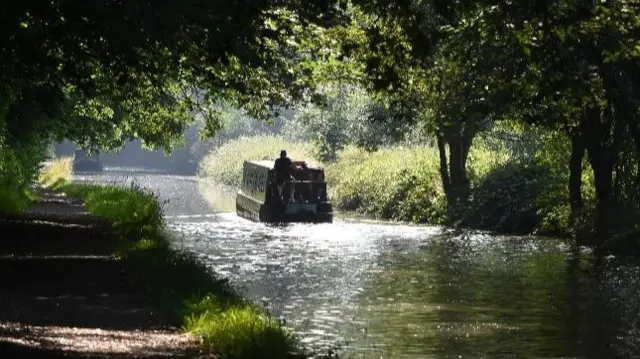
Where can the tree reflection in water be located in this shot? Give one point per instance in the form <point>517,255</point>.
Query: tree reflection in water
<point>497,297</point>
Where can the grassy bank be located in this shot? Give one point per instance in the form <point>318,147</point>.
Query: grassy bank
<point>398,183</point>
<point>227,324</point>
<point>510,194</point>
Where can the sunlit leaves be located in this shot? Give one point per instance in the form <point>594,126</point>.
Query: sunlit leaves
<point>129,57</point>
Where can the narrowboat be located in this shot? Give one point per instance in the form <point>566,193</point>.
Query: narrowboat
<point>83,162</point>
<point>305,199</point>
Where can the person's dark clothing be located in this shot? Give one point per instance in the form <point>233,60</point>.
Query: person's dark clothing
<point>284,168</point>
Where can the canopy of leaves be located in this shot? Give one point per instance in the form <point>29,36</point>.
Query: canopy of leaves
<point>103,72</point>
<point>440,61</point>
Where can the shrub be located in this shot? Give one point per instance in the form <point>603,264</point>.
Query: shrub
<point>396,183</point>
<point>224,164</point>
<point>553,204</point>
<point>13,200</point>
<point>484,157</point>
<point>19,169</point>
<point>506,199</point>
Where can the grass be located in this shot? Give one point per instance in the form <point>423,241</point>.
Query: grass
<point>58,169</point>
<point>227,324</point>
<point>134,212</point>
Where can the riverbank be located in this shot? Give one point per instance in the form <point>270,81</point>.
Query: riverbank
<point>64,293</point>
<point>513,194</point>
<point>403,184</point>
<point>188,295</point>
<point>205,306</point>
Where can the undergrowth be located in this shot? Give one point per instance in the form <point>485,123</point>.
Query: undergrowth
<point>19,169</point>
<point>58,169</point>
<point>395,183</point>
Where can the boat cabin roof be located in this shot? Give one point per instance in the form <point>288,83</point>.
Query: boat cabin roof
<point>269,164</point>
<point>80,154</point>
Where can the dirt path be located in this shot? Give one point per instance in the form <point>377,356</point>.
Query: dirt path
<point>62,294</point>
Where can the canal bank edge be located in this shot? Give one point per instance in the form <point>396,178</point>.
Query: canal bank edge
<point>225,324</point>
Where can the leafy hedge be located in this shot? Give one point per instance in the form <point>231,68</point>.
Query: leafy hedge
<point>19,168</point>
<point>396,183</point>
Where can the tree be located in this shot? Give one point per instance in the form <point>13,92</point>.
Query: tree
<point>568,66</point>
<point>101,73</point>
<point>436,71</point>
<point>582,59</point>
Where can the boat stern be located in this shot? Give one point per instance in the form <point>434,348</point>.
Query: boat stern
<point>302,212</point>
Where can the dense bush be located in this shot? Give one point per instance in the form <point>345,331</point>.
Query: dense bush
<point>224,164</point>
<point>507,198</point>
<point>19,169</point>
<point>343,118</point>
<point>396,183</point>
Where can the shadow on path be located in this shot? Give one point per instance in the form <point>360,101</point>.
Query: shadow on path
<point>63,294</point>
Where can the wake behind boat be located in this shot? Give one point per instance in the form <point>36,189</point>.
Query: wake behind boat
<point>261,196</point>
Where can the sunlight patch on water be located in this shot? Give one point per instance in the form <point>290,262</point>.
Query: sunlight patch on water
<point>300,268</point>
<point>408,291</point>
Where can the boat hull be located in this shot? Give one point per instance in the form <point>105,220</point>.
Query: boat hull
<point>258,211</point>
<point>87,166</point>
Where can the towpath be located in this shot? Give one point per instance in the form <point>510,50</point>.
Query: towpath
<point>63,294</point>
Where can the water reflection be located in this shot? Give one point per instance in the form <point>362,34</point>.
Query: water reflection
<point>396,291</point>
<point>451,299</point>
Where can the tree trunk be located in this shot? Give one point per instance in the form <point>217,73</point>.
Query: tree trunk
<point>453,171</point>
<point>617,182</point>
<point>605,134</point>
<point>602,159</point>
<point>457,170</point>
<point>444,171</point>
<point>603,174</point>
<point>578,148</point>
<point>633,123</point>
<point>634,129</point>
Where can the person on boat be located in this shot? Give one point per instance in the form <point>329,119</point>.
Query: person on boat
<point>285,171</point>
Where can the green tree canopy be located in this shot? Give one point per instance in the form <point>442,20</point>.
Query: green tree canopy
<point>102,72</point>
<point>457,66</point>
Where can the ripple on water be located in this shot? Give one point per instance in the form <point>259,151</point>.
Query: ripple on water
<point>396,291</point>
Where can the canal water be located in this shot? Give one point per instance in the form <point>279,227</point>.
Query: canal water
<point>380,290</point>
